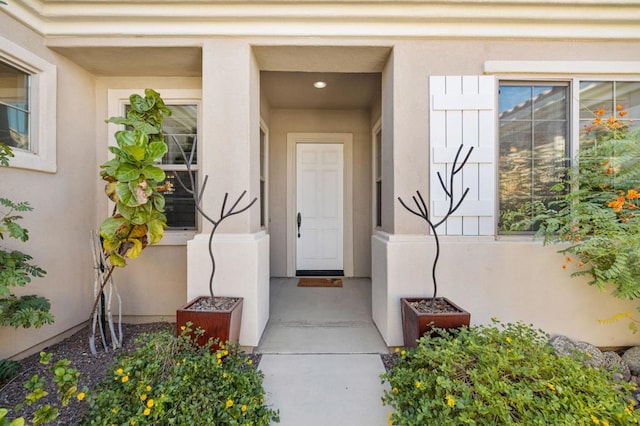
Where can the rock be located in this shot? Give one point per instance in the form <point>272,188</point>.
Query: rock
<point>589,354</point>
<point>593,356</point>
<point>563,345</point>
<point>616,365</point>
<point>632,358</point>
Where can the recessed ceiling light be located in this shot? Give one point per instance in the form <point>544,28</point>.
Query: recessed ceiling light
<point>320,84</point>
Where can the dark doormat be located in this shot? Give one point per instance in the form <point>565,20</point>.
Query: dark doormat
<point>319,282</point>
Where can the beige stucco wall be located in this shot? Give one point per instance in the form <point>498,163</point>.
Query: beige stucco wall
<point>63,202</point>
<point>510,278</point>
<point>59,229</point>
<point>310,121</point>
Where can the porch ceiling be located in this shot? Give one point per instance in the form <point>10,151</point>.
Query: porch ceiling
<point>289,90</point>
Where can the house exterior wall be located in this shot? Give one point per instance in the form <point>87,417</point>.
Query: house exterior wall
<point>320,121</point>
<point>63,201</point>
<point>513,278</point>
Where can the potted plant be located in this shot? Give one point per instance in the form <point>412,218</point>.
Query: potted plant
<point>135,185</point>
<point>421,314</point>
<point>216,318</point>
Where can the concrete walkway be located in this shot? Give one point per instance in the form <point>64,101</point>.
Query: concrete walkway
<point>321,355</point>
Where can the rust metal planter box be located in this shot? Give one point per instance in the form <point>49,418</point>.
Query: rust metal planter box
<point>415,324</point>
<point>217,324</point>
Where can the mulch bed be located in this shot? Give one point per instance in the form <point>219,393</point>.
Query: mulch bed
<point>92,368</point>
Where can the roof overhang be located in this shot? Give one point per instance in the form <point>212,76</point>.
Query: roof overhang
<point>516,19</point>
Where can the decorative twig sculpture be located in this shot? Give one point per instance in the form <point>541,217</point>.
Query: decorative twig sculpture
<point>423,212</point>
<point>197,198</point>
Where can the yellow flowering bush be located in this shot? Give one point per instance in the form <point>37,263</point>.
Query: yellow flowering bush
<point>169,380</point>
<point>502,374</point>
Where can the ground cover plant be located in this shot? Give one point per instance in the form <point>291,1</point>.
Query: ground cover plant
<point>169,380</point>
<point>501,374</point>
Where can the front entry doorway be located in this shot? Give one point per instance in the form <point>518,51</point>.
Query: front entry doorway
<point>319,217</point>
<point>319,222</point>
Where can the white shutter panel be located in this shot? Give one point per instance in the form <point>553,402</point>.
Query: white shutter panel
<point>462,110</point>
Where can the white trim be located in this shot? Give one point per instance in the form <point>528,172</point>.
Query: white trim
<point>43,99</point>
<point>563,67</point>
<point>116,101</point>
<point>342,138</point>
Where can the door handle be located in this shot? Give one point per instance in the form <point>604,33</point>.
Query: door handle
<point>299,223</point>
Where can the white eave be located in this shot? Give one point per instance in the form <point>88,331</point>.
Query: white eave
<point>541,19</point>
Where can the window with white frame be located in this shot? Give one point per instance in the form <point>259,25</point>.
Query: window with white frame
<point>377,174</point>
<point>534,136</point>
<point>181,136</point>
<point>534,125</point>
<point>15,108</point>
<point>27,107</point>
<point>264,161</point>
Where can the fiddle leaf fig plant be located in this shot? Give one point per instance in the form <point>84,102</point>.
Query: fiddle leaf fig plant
<point>135,183</point>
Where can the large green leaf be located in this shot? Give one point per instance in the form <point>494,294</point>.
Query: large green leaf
<point>127,172</point>
<point>156,150</point>
<point>153,173</point>
<point>141,104</point>
<point>110,226</point>
<point>146,128</point>
<point>158,202</point>
<point>156,229</point>
<point>126,196</point>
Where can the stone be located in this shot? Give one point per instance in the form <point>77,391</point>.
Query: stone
<point>593,356</point>
<point>586,352</point>
<point>632,358</point>
<point>616,365</point>
<point>562,345</point>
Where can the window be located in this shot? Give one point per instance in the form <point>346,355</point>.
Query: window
<point>534,137</point>
<point>377,174</point>
<point>181,136</point>
<point>27,108</point>
<point>14,107</point>
<point>533,143</point>
<point>606,95</point>
<point>181,133</point>
<point>264,161</point>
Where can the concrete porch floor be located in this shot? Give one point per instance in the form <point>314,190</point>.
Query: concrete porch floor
<point>321,355</point>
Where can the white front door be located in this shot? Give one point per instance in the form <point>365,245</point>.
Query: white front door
<point>320,174</point>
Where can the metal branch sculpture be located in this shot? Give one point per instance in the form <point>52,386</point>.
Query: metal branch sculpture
<point>197,198</point>
<point>423,212</point>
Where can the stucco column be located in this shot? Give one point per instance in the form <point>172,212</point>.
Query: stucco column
<point>400,247</point>
<point>229,153</point>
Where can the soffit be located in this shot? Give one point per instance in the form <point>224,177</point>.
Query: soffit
<point>548,19</point>
<point>294,90</point>
<point>177,61</point>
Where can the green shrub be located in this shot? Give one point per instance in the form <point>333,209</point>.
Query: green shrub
<point>503,374</point>
<point>65,378</point>
<point>15,267</point>
<point>8,370</point>
<point>170,381</point>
